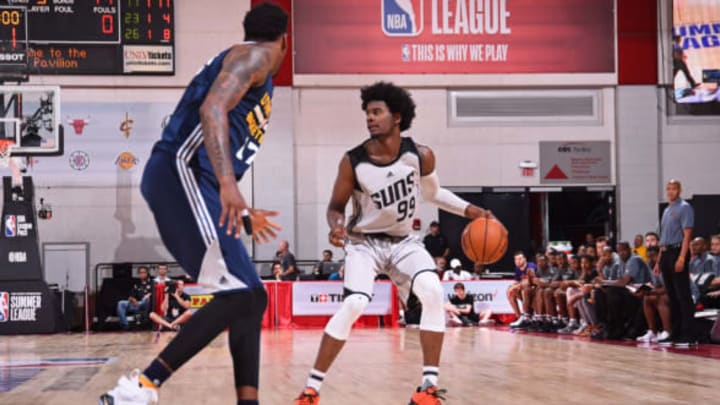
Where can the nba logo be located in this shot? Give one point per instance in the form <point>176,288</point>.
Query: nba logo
<point>406,53</point>
<point>10,226</point>
<point>402,18</point>
<point>4,306</point>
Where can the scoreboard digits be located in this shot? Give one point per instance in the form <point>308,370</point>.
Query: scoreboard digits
<point>87,36</point>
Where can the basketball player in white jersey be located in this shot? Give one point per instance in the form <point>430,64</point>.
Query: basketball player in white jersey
<point>385,176</point>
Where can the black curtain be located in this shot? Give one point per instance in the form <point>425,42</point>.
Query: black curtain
<point>512,209</point>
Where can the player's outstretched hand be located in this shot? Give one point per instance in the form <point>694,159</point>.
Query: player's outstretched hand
<point>233,208</point>
<point>263,229</point>
<point>337,236</point>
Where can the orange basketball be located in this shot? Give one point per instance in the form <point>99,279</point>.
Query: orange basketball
<point>485,241</point>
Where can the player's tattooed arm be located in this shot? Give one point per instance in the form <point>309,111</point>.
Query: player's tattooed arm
<point>243,68</point>
<point>342,191</point>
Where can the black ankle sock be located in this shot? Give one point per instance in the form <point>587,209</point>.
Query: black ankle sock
<point>157,372</point>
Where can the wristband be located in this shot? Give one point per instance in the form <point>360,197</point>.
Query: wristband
<point>247,222</point>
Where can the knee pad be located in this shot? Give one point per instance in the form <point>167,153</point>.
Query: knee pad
<point>429,291</point>
<point>340,324</point>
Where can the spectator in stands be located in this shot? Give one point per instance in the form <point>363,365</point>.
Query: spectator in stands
<point>651,239</point>
<point>540,280</point>
<point>522,281</point>
<point>435,243</point>
<point>175,306</point>
<point>460,309</point>
<point>639,248</point>
<point>554,295</point>
<point>656,303</point>
<point>575,293</point>
<point>589,239</point>
<point>162,274</point>
<point>590,251</point>
<point>327,257</point>
<point>338,275</point>
<point>456,272</point>
<point>440,266</point>
<point>478,270</point>
<point>715,252</point>
<point>608,267</point>
<point>139,299</point>
<point>552,256</point>
<point>609,264</point>
<point>625,317</point>
<point>701,262</point>
<point>277,271</point>
<point>581,251</point>
<point>287,260</point>
<point>711,299</point>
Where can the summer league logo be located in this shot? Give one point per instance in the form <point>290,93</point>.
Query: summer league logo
<point>402,18</point>
<point>19,306</point>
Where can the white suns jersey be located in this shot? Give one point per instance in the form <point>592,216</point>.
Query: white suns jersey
<point>385,198</point>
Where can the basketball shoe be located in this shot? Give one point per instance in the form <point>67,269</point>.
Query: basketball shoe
<point>129,392</point>
<point>428,396</point>
<point>308,397</point>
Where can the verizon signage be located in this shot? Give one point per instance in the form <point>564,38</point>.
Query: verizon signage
<point>487,294</point>
<point>575,162</point>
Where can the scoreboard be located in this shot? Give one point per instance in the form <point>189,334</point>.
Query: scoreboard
<point>104,37</point>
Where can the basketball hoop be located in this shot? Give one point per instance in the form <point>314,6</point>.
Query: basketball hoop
<point>6,146</point>
<point>528,168</point>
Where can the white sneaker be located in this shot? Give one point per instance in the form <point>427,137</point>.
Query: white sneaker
<point>660,336</point>
<point>648,337</point>
<point>518,321</point>
<point>454,321</point>
<point>129,392</point>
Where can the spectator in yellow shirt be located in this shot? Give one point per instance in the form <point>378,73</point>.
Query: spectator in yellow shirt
<point>639,248</point>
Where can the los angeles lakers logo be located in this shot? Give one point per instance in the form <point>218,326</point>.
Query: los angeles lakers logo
<point>126,160</point>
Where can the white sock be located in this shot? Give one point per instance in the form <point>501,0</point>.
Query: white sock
<point>430,376</point>
<point>315,379</point>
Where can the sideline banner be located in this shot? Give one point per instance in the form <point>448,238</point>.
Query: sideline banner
<point>325,297</point>
<point>488,294</point>
<point>454,36</point>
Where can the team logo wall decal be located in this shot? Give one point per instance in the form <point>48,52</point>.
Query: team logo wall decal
<point>79,160</point>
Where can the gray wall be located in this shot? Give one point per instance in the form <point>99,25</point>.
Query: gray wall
<point>312,127</point>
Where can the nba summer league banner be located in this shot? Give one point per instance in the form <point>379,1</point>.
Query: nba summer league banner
<point>454,36</point>
<point>696,50</point>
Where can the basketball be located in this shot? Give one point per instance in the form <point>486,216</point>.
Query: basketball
<point>484,240</point>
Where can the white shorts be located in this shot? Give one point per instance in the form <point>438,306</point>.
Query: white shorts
<point>400,260</point>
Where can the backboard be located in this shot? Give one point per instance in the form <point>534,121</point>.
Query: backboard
<point>30,116</point>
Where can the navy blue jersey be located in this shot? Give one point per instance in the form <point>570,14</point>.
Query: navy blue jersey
<point>247,122</point>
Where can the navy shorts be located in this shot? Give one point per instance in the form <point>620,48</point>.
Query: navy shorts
<point>186,207</point>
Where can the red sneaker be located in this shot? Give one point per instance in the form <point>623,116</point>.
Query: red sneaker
<point>430,396</point>
<point>308,397</point>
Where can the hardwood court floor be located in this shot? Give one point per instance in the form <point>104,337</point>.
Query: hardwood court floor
<point>480,366</point>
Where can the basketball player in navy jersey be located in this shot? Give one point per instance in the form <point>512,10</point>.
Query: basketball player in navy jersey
<point>190,184</point>
<point>384,177</point>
